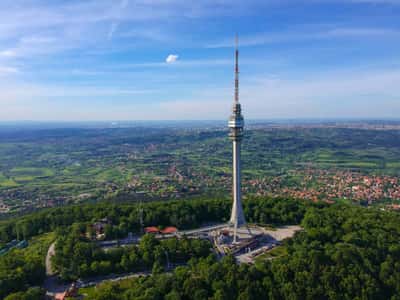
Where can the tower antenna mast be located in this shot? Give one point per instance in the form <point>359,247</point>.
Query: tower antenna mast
<point>236,69</point>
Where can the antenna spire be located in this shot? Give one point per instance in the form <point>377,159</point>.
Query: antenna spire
<point>236,69</point>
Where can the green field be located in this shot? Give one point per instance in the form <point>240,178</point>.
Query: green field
<point>276,252</point>
<point>6,182</point>
<point>25,174</point>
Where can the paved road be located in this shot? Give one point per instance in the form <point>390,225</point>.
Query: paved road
<point>202,229</point>
<point>50,253</point>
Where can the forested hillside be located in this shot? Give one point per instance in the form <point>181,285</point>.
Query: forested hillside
<point>343,253</point>
<point>77,257</point>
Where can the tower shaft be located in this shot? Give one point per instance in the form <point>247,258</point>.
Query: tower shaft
<point>237,215</point>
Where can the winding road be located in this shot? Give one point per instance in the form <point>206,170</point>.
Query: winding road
<point>50,253</point>
<point>53,285</point>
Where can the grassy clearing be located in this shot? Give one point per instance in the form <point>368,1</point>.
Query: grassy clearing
<point>31,171</point>
<point>274,253</point>
<point>6,182</point>
<point>27,174</point>
<point>347,164</point>
<point>393,165</point>
<point>38,245</point>
<point>41,243</point>
<point>359,164</point>
<point>87,292</point>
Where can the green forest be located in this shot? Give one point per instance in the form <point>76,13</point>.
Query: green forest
<point>77,257</point>
<point>344,252</point>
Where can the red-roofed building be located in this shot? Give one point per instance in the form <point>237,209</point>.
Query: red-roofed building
<point>60,296</point>
<point>151,229</point>
<point>169,230</point>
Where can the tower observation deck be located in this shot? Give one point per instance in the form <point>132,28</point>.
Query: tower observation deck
<point>236,124</point>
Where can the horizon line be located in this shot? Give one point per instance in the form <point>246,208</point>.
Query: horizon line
<point>209,120</point>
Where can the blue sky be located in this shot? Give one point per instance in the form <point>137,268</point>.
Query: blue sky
<point>108,59</point>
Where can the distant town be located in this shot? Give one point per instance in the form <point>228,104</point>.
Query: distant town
<point>330,161</point>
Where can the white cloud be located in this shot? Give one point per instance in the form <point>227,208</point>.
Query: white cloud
<point>8,53</point>
<point>171,58</point>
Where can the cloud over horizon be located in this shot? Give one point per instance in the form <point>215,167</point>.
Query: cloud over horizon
<point>171,58</point>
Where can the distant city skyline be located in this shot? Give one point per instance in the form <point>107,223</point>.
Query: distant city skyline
<point>172,60</point>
